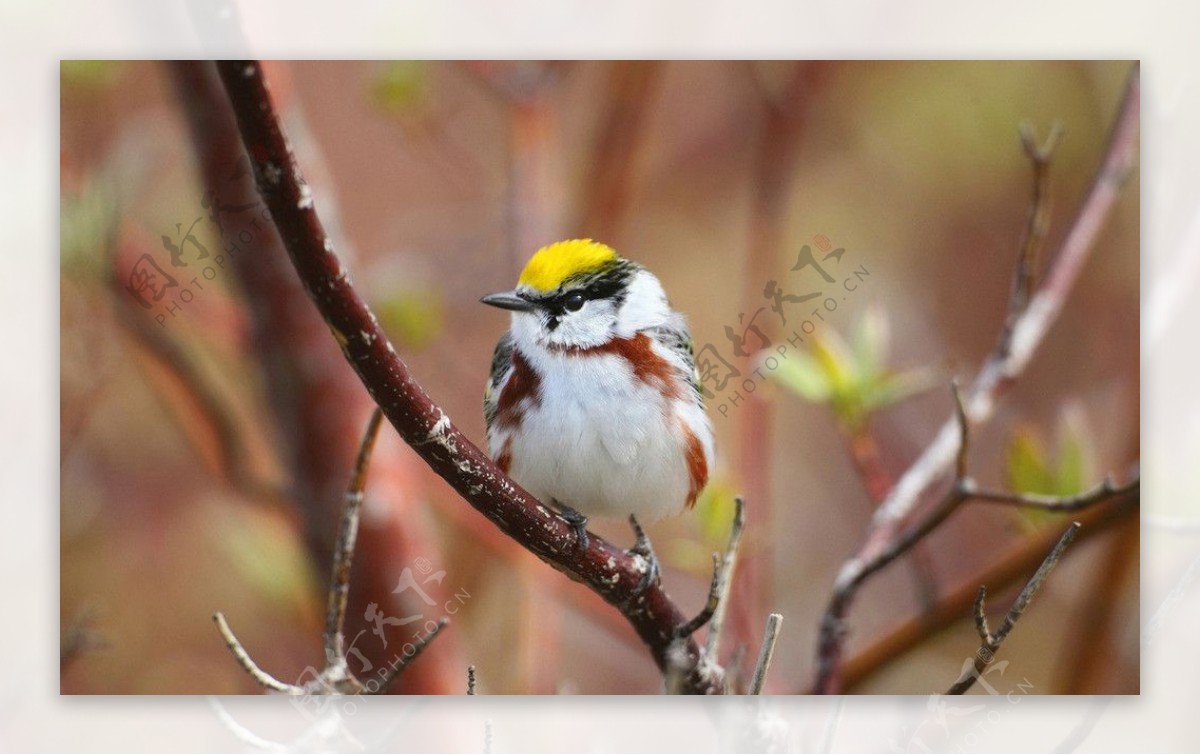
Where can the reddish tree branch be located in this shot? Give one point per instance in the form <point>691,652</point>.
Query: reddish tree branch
<point>608,570</point>
<point>316,402</point>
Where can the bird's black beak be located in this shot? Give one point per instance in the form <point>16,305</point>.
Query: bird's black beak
<point>508,300</point>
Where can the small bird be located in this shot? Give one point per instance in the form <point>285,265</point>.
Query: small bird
<point>594,402</point>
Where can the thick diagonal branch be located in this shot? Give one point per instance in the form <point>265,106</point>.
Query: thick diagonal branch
<point>608,570</point>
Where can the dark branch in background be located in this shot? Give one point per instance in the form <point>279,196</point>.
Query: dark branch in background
<point>166,349</point>
<point>856,571</point>
<point>782,100</point>
<point>605,187</point>
<point>1036,226</point>
<point>335,676</point>
<point>1028,319</point>
<point>305,374</point>
<point>992,642</point>
<point>1094,626</point>
<point>79,639</point>
<point>953,604</point>
<point>609,571</point>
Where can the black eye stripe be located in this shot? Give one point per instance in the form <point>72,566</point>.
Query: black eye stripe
<point>610,284</point>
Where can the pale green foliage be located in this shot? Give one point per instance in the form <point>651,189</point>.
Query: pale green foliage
<point>853,378</point>
<point>401,87</point>
<point>89,75</point>
<point>87,222</point>
<point>711,521</point>
<point>1030,467</point>
<point>411,318</point>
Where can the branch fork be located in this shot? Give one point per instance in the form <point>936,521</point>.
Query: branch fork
<point>335,677</point>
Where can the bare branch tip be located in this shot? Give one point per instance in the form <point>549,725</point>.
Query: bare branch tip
<point>245,661</point>
<point>365,450</point>
<point>765,653</point>
<point>981,622</point>
<point>964,434</point>
<point>1040,153</point>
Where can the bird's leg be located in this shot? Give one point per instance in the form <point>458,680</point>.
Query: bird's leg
<point>643,548</point>
<point>577,521</point>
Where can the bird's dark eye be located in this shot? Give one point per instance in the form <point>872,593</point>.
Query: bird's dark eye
<point>574,302</point>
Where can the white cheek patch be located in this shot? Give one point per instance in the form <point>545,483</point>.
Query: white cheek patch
<point>590,326</point>
<point>645,305</point>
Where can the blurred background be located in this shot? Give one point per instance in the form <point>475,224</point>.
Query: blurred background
<point>207,433</point>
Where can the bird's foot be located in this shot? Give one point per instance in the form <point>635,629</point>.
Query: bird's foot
<point>643,548</point>
<point>577,521</point>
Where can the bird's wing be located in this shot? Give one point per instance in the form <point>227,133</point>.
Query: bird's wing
<point>676,340</point>
<point>501,371</point>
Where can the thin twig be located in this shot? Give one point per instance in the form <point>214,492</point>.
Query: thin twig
<point>1036,226</point>
<point>343,554</point>
<point>992,642</point>
<point>999,369</point>
<point>717,624</point>
<point>958,600</point>
<point>335,676</point>
<point>885,546</point>
<point>611,572</point>
<point>405,660</point>
<point>886,538</point>
<point>239,652</point>
<point>1105,490</point>
<point>765,653</point>
<point>964,434</point>
<point>710,607</point>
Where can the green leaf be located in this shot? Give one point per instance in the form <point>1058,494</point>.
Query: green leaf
<point>714,514</point>
<point>412,318</point>
<point>854,380</point>
<point>894,388</point>
<point>872,341</point>
<point>1071,472</point>
<point>1027,469</point>
<point>802,375</point>
<point>88,75</point>
<point>401,87</point>
<point>88,220</point>
<point>837,362</point>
